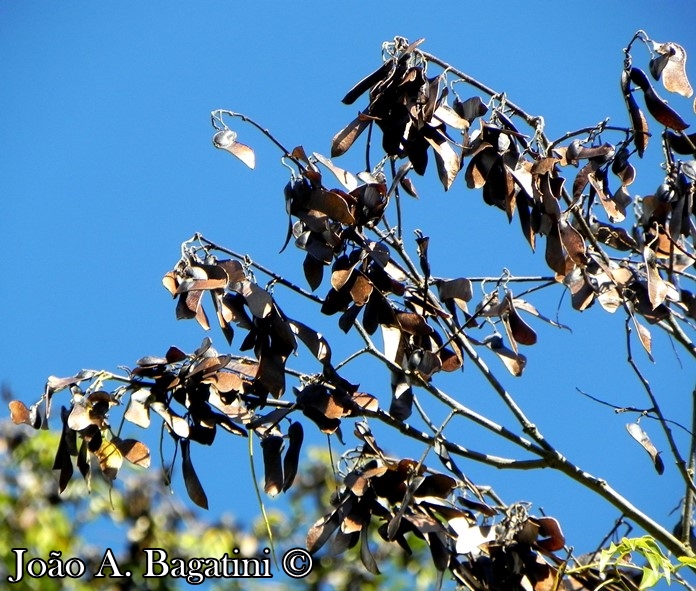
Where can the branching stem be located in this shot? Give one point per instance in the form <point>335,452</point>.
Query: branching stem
<point>681,464</point>
<point>277,278</point>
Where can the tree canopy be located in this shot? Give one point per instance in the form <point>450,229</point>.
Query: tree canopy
<point>599,244</point>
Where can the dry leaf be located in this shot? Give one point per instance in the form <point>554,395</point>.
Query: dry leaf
<point>345,138</point>
<point>672,65</point>
<point>450,117</point>
<point>572,241</point>
<point>313,340</point>
<point>193,484</point>
<point>552,538</point>
<point>638,121</point>
<point>343,176</point>
<point>135,452</point>
<point>226,139</point>
<point>514,362</point>
<point>644,336</point>
<point>260,302</point>
<point>447,160</point>
<point>657,288</point>
<point>272,462</point>
<point>19,413</point>
<point>641,437</point>
<point>322,529</point>
<point>657,107</point>
<point>110,459</point>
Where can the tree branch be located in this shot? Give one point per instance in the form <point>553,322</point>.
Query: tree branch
<point>277,278</point>
<point>681,464</point>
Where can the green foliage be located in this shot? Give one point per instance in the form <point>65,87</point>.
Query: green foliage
<point>143,514</point>
<point>658,566</point>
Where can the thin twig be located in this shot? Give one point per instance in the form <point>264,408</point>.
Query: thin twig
<point>672,327</point>
<point>260,500</point>
<point>642,411</point>
<point>397,200</point>
<point>277,278</point>
<point>451,402</point>
<point>459,450</point>
<point>531,120</point>
<point>351,357</point>
<point>681,464</point>
<point>689,497</point>
<point>588,130</point>
<point>218,113</point>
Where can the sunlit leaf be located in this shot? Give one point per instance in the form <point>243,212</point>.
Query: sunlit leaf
<point>332,204</point>
<point>572,242</point>
<point>170,283</point>
<point>361,289</point>
<point>402,397</point>
<point>657,288</point>
<point>110,459</point>
<point>226,139</point>
<point>260,302</point>
<point>80,417</point>
<point>450,117</point>
<point>343,176</point>
<point>643,335</point>
<point>637,432</point>
<point>136,452</point>
<point>20,414</point>
<point>447,160</point>
<point>413,323</point>
<point>671,66</point>
<point>176,424</point>
<point>615,210</point>
<point>514,362</point>
<point>609,298</point>
<point>469,538</point>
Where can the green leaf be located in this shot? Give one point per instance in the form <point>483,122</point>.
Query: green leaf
<point>605,556</point>
<point>688,561</point>
<point>650,578</point>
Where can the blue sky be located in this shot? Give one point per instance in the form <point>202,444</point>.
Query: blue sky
<point>107,166</point>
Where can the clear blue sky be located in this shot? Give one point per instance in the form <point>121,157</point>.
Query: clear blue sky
<point>106,166</point>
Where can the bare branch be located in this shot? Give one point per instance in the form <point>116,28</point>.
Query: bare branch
<point>681,464</point>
